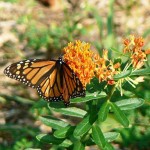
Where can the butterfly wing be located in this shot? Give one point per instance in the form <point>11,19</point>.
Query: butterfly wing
<point>50,88</point>
<point>72,86</point>
<point>54,80</point>
<point>40,74</point>
<point>29,72</point>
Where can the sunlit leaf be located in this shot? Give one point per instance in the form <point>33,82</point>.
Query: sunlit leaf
<point>32,149</point>
<point>64,132</point>
<point>108,146</point>
<point>78,146</point>
<point>65,143</point>
<point>70,111</point>
<point>98,136</point>
<point>111,136</point>
<point>89,97</point>
<point>122,75</point>
<point>53,122</point>
<point>131,103</point>
<point>120,116</point>
<point>84,126</point>
<point>45,138</point>
<point>48,138</point>
<point>141,72</point>
<point>102,115</point>
<point>128,93</point>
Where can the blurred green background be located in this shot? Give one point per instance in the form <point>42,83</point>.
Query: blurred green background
<point>40,29</point>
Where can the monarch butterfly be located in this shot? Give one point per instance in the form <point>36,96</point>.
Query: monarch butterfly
<point>53,79</point>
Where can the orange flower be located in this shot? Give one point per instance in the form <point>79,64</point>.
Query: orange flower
<point>147,51</point>
<point>138,59</point>
<point>134,46</point>
<point>87,64</point>
<point>117,65</point>
<point>79,58</point>
<point>139,41</point>
<point>105,70</point>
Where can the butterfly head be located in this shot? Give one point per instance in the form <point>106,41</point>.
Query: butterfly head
<point>60,59</point>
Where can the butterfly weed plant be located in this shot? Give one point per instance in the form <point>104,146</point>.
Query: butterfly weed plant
<point>105,81</point>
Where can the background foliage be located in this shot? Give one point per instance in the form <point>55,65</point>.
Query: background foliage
<point>29,29</point>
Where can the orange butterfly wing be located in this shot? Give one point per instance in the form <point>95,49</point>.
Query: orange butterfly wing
<point>53,79</point>
<point>29,72</point>
<point>72,86</point>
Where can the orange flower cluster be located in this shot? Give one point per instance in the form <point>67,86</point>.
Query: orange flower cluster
<point>134,46</point>
<point>86,64</point>
<point>105,69</point>
<point>79,58</point>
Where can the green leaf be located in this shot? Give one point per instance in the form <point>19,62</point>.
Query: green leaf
<point>119,52</point>
<point>64,132</point>
<point>70,111</point>
<point>128,104</point>
<point>120,116</point>
<point>141,72</point>
<point>128,93</point>
<point>40,103</point>
<point>78,146</point>
<point>20,99</point>
<point>98,136</point>
<point>108,146</point>
<point>102,115</point>
<point>111,136</point>
<point>122,75</point>
<point>89,97</point>
<point>45,138</point>
<point>84,126</point>
<point>32,149</point>
<point>66,143</point>
<point>53,122</point>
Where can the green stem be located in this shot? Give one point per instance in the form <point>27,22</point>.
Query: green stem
<point>111,93</point>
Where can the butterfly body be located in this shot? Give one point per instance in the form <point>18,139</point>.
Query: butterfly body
<point>53,79</point>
